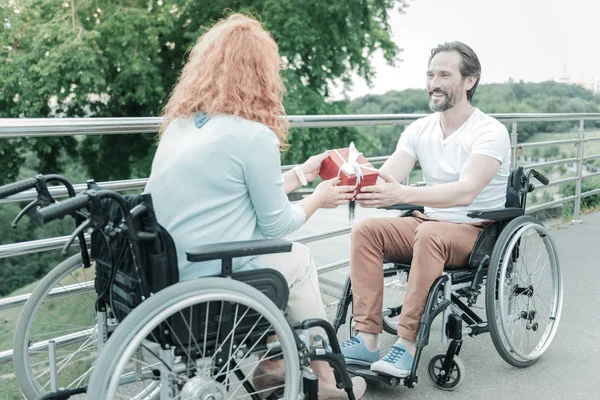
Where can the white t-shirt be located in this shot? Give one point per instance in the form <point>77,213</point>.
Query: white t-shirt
<point>442,159</point>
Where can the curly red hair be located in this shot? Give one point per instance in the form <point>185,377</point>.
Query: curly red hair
<point>234,68</point>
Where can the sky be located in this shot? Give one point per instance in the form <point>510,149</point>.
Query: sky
<point>532,40</point>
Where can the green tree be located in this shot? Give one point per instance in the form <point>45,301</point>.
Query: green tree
<point>587,203</point>
<point>111,58</point>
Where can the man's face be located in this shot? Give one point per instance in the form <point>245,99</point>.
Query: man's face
<point>445,83</point>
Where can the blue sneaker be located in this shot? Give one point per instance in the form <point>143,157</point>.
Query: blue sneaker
<point>397,362</point>
<point>355,352</point>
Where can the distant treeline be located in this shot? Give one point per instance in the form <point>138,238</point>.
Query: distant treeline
<point>545,97</point>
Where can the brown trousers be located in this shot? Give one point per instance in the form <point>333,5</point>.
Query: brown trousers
<point>428,245</point>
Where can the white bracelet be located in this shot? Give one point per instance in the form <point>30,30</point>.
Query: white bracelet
<point>300,174</point>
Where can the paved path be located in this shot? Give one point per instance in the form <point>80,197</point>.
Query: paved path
<point>568,370</point>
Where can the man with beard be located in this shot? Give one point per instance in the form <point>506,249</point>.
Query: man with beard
<point>464,155</point>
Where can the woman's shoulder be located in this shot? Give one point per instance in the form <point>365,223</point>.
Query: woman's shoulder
<point>244,129</point>
<point>240,122</point>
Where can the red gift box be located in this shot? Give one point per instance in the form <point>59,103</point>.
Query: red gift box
<point>347,164</point>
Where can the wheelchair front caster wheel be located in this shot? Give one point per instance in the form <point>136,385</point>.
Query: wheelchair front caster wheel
<point>446,381</point>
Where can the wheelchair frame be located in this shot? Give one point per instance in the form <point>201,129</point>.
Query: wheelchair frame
<point>465,282</point>
<point>273,291</point>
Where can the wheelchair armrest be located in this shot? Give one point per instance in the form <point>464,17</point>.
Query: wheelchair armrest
<point>231,250</point>
<point>404,207</point>
<point>497,213</point>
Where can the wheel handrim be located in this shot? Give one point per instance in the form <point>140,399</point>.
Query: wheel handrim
<point>526,288</point>
<point>87,346</point>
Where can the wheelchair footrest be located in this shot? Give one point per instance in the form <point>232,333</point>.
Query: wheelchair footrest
<point>365,372</point>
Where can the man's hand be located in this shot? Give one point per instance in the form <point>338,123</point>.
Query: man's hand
<point>384,194</point>
<point>312,165</point>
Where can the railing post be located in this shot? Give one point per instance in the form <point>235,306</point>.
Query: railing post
<point>513,144</point>
<point>579,181</point>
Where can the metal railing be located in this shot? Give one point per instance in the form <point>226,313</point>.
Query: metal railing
<point>13,128</point>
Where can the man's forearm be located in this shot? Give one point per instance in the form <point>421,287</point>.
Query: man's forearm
<point>447,195</point>
<point>399,165</point>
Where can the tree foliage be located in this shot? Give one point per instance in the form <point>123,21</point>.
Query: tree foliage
<point>110,58</point>
<point>121,58</point>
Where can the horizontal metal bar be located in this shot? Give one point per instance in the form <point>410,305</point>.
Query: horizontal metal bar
<point>539,117</point>
<point>129,184</point>
<point>592,139</point>
<point>591,175</point>
<point>19,127</point>
<point>36,246</point>
<point>7,355</point>
<point>550,163</point>
<point>592,157</point>
<point>333,266</point>
<point>550,204</point>
<point>60,191</point>
<point>56,293</point>
<point>322,235</point>
<point>35,127</point>
<point>548,143</point>
<point>590,193</point>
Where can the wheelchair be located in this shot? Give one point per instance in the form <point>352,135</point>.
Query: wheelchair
<point>154,337</point>
<point>42,327</point>
<point>522,304</point>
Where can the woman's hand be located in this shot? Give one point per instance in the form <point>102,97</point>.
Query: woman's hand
<point>312,165</point>
<point>330,196</point>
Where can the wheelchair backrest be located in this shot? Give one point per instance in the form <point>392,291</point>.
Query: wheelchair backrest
<point>515,188</point>
<point>117,281</point>
<point>486,240</point>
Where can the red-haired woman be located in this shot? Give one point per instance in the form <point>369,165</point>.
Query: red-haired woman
<point>216,175</point>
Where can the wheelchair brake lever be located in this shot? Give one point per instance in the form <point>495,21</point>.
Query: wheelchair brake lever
<point>23,212</point>
<point>44,196</point>
<point>79,231</point>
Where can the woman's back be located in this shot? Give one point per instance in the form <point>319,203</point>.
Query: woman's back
<point>219,179</point>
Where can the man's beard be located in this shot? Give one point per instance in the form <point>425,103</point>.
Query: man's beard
<point>448,103</point>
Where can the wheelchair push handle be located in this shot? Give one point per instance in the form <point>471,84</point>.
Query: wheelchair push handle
<point>17,187</point>
<point>540,177</point>
<point>67,207</point>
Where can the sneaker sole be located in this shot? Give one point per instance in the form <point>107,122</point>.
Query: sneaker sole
<point>390,370</point>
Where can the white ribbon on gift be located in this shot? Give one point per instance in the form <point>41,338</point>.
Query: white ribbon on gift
<point>351,165</point>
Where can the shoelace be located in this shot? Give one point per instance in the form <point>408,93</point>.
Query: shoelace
<point>394,354</point>
<point>352,341</point>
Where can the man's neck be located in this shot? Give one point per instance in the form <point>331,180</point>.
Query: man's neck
<point>454,118</point>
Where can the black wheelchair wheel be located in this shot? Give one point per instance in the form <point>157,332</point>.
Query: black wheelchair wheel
<point>452,379</point>
<point>218,328</point>
<point>515,291</point>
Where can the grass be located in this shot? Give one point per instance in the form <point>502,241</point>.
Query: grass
<point>57,315</point>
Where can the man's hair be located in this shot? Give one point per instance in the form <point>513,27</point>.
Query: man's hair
<point>469,65</point>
